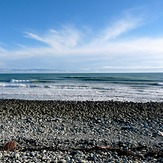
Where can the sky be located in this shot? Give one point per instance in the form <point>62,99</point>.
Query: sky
<point>81,35</point>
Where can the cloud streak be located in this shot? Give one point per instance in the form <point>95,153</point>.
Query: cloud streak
<point>118,28</point>
<point>68,37</point>
<point>69,40</point>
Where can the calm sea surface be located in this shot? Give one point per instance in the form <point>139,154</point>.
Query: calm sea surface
<point>138,87</point>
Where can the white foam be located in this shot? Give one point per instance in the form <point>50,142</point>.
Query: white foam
<point>20,81</point>
<point>160,84</point>
<point>79,91</point>
<point>19,85</point>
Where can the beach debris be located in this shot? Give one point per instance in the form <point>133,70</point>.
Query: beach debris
<point>10,146</point>
<point>102,147</point>
<point>160,133</point>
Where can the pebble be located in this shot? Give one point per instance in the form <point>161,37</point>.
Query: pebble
<point>66,125</point>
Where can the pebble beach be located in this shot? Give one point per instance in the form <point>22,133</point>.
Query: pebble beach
<point>81,131</point>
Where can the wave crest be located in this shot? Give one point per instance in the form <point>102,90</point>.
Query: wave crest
<point>21,81</point>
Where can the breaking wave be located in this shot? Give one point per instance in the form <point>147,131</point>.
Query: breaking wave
<point>22,81</point>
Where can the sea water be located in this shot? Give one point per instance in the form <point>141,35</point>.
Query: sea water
<point>137,87</point>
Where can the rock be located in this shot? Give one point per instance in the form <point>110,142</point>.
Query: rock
<point>62,161</point>
<point>65,131</point>
<point>10,146</point>
<point>17,155</point>
<point>160,133</point>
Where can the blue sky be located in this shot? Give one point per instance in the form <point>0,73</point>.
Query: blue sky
<point>82,35</point>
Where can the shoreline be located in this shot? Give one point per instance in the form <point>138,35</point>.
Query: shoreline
<point>70,130</point>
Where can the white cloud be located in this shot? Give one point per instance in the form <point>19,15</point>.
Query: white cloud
<point>118,28</point>
<point>132,67</point>
<point>60,40</point>
<point>69,42</point>
<point>2,50</point>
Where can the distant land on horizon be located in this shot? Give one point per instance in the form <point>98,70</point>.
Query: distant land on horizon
<point>8,71</point>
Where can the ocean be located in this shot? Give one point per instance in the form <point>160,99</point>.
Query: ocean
<point>136,87</point>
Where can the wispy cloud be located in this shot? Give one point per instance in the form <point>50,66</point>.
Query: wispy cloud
<point>2,50</point>
<point>72,42</point>
<point>71,39</point>
<point>118,28</point>
<point>68,37</point>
